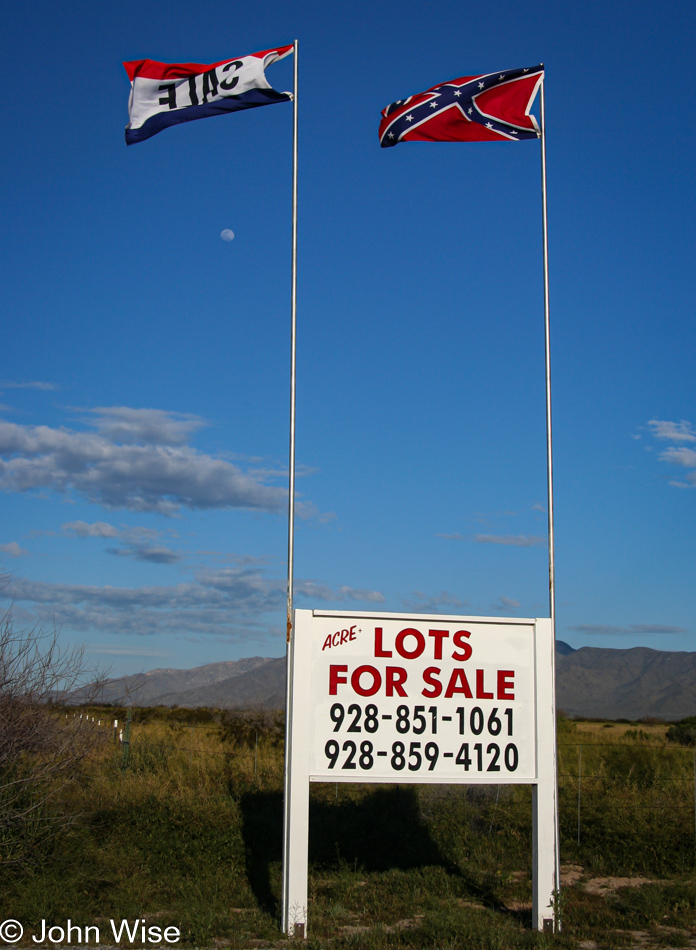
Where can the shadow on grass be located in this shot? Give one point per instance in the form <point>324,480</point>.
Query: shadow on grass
<point>382,831</point>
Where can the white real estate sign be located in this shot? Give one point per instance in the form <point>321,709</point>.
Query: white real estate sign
<point>420,699</point>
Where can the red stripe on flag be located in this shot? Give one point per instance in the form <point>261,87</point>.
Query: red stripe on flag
<point>151,69</point>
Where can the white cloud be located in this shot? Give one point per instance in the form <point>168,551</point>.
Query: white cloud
<point>504,602</point>
<point>199,607</point>
<point>99,529</point>
<point>13,549</point>
<point>144,426</point>
<point>636,629</point>
<point>515,540</point>
<point>315,590</point>
<point>153,554</point>
<point>149,470</point>
<point>673,431</point>
<point>366,596</point>
<point>436,604</point>
<point>139,541</point>
<point>230,602</point>
<point>105,650</point>
<point>36,384</point>
<point>679,455</point>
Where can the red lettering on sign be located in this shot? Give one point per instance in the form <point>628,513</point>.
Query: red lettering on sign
<point>396,677</point>
<point>379,651</point>
<point>327,643</point>
<point>463,645</point>
<point>439,637</point>
<point>506,684</point>
<point>458,684</point>
<point>335,678</point>
<point>480,691</point>
<point>335,641</point>
<point>352,633</point>
<point>376,680</point>
<point>420,643</point>
<point>344,635</point>
<point>430,677</point>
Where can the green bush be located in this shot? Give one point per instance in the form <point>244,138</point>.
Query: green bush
<point>683,732</point>
<point>242,726</point>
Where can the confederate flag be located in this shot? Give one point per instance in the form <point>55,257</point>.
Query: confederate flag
<point>490,108</point>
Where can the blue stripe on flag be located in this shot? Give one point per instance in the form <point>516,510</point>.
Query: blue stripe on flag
<point>248,100</point>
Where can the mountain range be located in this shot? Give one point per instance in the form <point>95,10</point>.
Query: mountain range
<point>591,682</point>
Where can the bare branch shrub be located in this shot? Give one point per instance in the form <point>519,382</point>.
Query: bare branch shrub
<point>42,750</point>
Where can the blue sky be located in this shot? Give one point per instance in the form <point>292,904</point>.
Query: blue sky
<point>144,385</point>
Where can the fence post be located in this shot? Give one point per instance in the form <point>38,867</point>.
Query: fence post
<point>579,785</point>
<point>126,740</point>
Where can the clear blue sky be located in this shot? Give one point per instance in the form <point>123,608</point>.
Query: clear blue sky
<point>145,361</point>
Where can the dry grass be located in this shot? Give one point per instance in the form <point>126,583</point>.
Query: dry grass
<point>189,834</point>
<point>617,731</point>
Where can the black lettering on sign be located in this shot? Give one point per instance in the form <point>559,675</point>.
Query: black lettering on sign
<point>170,98</point>
<point>193,95</point>
<point>210,85</point>
<point>229,82</point>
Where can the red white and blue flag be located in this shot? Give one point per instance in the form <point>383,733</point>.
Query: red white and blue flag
<point>164,94</point>
<point>488,108</point>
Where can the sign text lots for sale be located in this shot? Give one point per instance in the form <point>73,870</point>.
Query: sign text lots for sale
<point>398,700</point>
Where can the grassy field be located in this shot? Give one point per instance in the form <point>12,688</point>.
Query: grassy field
<point>188,833</point>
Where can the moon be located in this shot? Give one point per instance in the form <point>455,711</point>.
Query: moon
<point>227,235</point>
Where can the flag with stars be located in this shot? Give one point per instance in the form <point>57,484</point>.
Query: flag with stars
<point>489,108</point>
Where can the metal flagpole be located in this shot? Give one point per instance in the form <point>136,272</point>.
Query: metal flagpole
<point>291,500</point>
<point>549,453</point>
<point>547,335</point>
<point>293,329</point>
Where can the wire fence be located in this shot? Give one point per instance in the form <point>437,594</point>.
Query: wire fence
<point>621,799</point>
<point>666,776</point>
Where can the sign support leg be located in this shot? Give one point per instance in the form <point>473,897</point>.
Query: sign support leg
<point>545,888</point>
<point>296,817</point>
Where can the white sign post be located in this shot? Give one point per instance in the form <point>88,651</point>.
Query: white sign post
<point>426,699</point>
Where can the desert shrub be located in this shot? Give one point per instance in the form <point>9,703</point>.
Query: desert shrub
<point>150,755</point>
<point>683,732</point>
<point>566,729</point>
<point>637,735</point>
<point>242,726</point>
<point>42,749</point>
<point>174,714</point>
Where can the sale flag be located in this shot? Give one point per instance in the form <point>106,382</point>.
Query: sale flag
<point>164,94</point>
<point>488,108</point>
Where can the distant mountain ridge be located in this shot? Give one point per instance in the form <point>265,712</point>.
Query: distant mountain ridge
<point>626,684</point>
<point>261,687</point>
<point>592,681</point>
<point>159,687</point>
